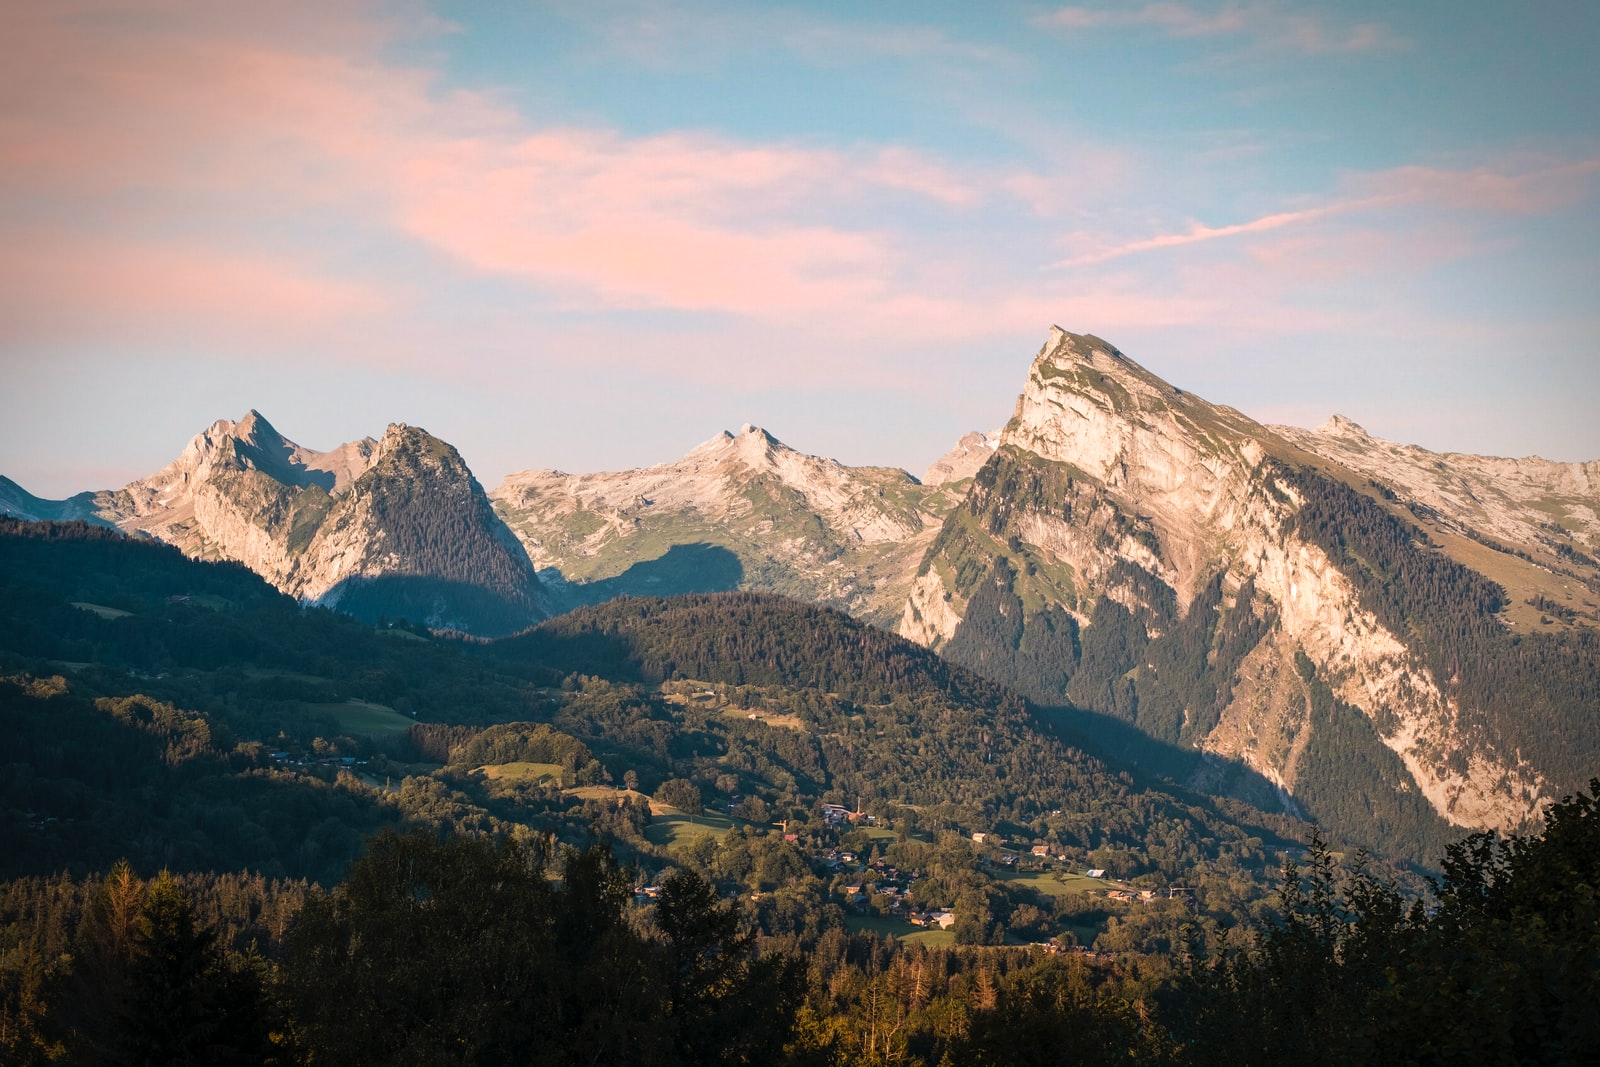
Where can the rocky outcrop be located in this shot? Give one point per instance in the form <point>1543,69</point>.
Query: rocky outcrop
<point>964,460</point>
<point>1111,486</point>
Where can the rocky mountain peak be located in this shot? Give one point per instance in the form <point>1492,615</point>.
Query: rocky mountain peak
<point>413,450</point>
<point>971,452</point>
<point>1088,405</point>
<point>751,447</point>
<point>1113,487</point>
<point>1339,426</point>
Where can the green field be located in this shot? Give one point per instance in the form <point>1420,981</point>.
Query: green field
<point>359,717</point>
<point>903,931</point>
<point>521,771</point>
<point>604,792</point>
<point>673,828</point>
<point>882,833</point>
<point>101,610</point>
<point>1058,883</point>
<point>314,679</point>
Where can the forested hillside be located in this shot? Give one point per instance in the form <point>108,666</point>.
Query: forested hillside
<point>732,800</point>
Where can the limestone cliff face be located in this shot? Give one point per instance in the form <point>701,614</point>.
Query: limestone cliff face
<point>394,527</point>
<point>1110,486</point>
<point>743,510</point>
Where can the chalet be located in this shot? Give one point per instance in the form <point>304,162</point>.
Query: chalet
<point>1095,872</point>
<point>979,837</point>
<point>1040,850</point>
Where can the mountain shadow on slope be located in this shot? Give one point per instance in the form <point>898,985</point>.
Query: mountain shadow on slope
<point>700,567</point>
<point>439,603</point>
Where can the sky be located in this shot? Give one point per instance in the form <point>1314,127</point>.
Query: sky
<point>590,235</point>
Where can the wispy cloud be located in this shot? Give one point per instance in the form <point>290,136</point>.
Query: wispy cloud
<point>1267,25</point>
<point>1476,190</point>
<point>1198,233</point>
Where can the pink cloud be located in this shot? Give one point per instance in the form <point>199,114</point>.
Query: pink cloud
<point>1535,189</point>
<point>113,288</point>
<point>671,221</point>
<point>103,123</point>
<point>112,120</point>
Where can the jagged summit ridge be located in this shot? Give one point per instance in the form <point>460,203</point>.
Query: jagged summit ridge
<point>756,513</point>
<point>396,526</point>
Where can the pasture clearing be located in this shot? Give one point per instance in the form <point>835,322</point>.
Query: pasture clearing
<point>902,930</point>
<point>1058,883</point>
<point>360,717</point>
<point>673,828</point>
<point>520,771</point>
<point>101,610</point>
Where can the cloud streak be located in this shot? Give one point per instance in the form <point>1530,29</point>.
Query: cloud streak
<point>1478,190</point>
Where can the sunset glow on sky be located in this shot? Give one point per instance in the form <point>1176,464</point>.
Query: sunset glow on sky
<point>591,235</point>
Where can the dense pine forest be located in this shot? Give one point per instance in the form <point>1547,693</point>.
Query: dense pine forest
<point>708,829</point>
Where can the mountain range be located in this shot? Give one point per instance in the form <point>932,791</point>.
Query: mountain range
<point>1393,642</point>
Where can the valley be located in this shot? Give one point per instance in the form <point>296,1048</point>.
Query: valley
<point>1137,687</point>
<point>1396,644</point>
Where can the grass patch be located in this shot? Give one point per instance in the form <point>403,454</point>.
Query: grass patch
<point>671,828</point>
<point>902,931</point>
<point>101,610</point>
<point>1058,883</point>
<point>604,792</point>
<point>883,833</point>
<point>1523,581</point>
<point>360,717</point>
<point>788,722</point>
<point>520,771</point>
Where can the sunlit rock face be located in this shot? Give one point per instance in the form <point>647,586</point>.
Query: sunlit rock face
<point>1109,484</point>
<point>742,510</point>
<point>395,527</point>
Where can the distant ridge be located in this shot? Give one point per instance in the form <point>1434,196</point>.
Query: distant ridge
<point>393,527</point>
